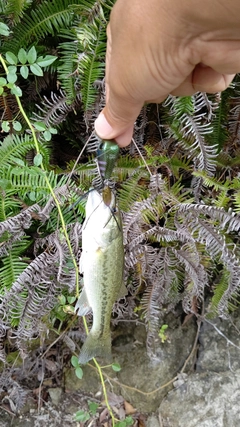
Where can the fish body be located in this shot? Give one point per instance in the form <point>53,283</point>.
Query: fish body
<point>102,263</point>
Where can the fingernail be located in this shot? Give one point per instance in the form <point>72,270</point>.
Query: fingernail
<point>102,127</point>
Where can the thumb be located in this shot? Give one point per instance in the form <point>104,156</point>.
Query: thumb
<point>116,121</point>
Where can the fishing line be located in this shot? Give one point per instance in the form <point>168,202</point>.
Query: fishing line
<point>79,157</point>
<point>140,154</point>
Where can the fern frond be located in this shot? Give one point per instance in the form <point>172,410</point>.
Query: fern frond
<point>237,202</point>
<point>91,65</point>
<point>219,290</point>
<point>67,69</point>
<point>13,265</point>
<point>190,127</point>
<point>46,19</point>
<point>219,122</point>
<point>15,9</point>
<point>34,292</point>
<point>54,111</point>
<point>131,191</point>
<point>13,148</point>
<point>31,179</point>
<point>224,218</point>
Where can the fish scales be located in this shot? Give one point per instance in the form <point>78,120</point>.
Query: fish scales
<point>102,264</point>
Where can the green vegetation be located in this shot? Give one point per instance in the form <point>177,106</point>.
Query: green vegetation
<point>180,199</point>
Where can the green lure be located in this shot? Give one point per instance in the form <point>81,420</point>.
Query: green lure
<point>107,155</point>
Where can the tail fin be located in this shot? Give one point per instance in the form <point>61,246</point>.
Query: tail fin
<point>95,346</point>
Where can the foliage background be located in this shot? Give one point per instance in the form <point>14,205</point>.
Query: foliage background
<point>179,192</point>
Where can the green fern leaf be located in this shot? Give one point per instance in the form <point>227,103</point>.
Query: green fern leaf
<point>13,265</point>
<point>47,18</point>
<point>91,66</point>
<point>16,8</point>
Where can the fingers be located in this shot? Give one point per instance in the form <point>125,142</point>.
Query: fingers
<point>120,133</point>
<point>203,79</point>
<point>150,55</point>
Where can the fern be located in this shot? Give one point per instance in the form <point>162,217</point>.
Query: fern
<point>47,19</point>
<point>192,128</point>
<point>16,8</point>
<point>91,65</point>
<point>14,147</point>
<point>54,111</point>
<point>13,264</point>
<point>67,69</point>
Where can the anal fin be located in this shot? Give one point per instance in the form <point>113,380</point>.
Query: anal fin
<point>82,307</point>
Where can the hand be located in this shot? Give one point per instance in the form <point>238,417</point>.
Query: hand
<point>158,47</point>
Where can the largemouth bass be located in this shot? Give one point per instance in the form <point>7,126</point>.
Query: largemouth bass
<point>102,263</point>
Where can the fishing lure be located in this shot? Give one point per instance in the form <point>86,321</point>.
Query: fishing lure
<point>107,154</point>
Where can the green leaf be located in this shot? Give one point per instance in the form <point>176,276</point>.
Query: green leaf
<point>37,159</point>
<point>32,196</point>
<point>3,81</point>
<point>62,299</point>
<point>5,126</point>
<point>12,69</point>
<point>19,162</point>
<point>82,416</point>
<point>36,70</point>
<point>93,407</point>
<point>32,55</point>
<point>121,424</point>
<point>4,184</point>
<point>129,420</point>
<point>17,126</point>
<point>74,361</point>
<point>11,78</point>
<point>53,131</point>
<point>1,90</point>
<point>71,299</point>
<point>11,58</point>
<point>79,372</point>
<point>24,71</point>
<point>15,90</point>
<point>46,60</point>
<point>4,29</point>
<point>47,135</point>
<point>22,56</point>
<point>40,126</point>
<point>116,367</point>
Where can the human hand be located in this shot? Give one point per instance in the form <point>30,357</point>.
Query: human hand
<point>158,47</point>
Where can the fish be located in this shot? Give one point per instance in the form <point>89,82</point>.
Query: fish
<point>102,266</point>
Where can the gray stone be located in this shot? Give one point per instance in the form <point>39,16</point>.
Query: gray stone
<point>140,380</point>
<point>204,400</point>
<point>152,421</point>
<point>219,348</point>
<point>55,394</point>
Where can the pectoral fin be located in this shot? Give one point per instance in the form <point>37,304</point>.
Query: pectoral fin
<point>82,307</point>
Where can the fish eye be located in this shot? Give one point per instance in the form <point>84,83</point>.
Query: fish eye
<point>101,145</point>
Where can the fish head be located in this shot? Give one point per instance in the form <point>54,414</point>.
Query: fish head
<point>102,214</point>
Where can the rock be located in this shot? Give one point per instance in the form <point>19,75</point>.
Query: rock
<point>88,384</point>
<point>216,352</point>
<point>152,421</point>
<point>141,374</point>
<point>55,394</point>
<point>141,381</point>
<point>204,400</point>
